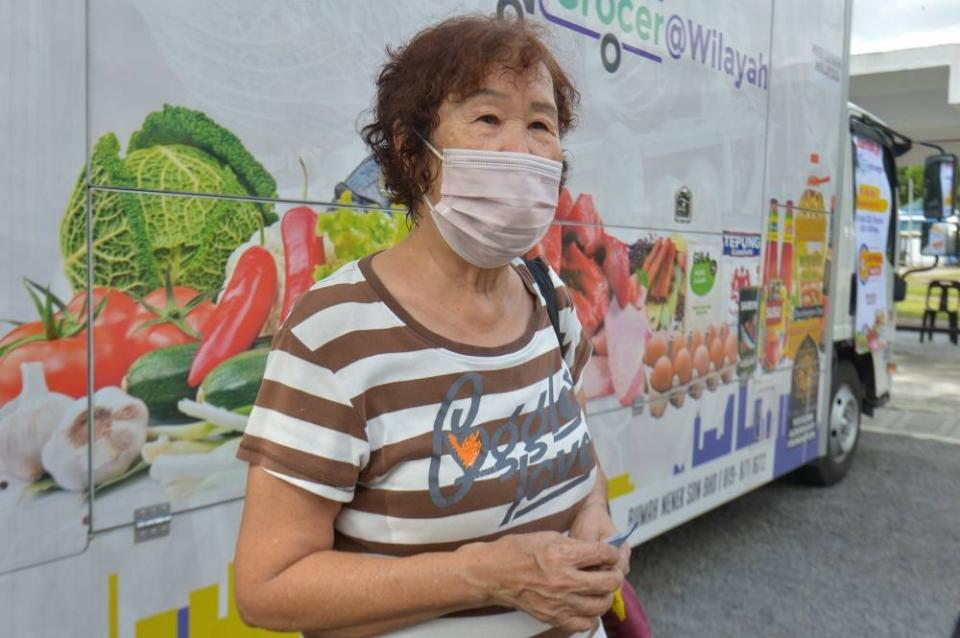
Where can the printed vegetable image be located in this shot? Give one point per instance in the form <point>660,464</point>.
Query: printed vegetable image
<point>270,239</point>
<point>58,340</point>
<point>139,237</point>
<point>27,422</point>
<point>119,432</point>
<point>663,272</point>
<point>159,379</point>
<point>113,308</point>
<point>235,382</point>
<point>351,234</point>
<point>168,316</point>
<point>302,250</point>
<point>303,255</point>
<point>240,314</point>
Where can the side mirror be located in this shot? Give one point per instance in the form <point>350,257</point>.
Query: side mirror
<point>940,238</point>
<point>939,185</point>
<point>899,289</point>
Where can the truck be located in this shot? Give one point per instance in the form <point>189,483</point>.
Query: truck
<point>161,155</point>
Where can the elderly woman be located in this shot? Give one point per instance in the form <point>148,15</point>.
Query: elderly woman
<point>420,460</point>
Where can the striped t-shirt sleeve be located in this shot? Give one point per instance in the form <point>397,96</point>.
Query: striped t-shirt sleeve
<point>575,347</point>
<point>303,427</point>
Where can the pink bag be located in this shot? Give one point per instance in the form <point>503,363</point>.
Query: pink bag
<point>626,619</point>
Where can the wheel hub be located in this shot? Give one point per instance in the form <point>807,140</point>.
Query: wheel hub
<point>844,422</point>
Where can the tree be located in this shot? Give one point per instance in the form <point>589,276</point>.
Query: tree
<point>905,175</point>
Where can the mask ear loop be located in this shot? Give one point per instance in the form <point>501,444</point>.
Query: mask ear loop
<point>440,157</point>
<point>431,147</point>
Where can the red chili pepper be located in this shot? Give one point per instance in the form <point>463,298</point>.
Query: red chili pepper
<point>240,314</point>
<point>302,251</point>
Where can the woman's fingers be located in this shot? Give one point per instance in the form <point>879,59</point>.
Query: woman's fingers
<point>624,563</point>
<point>598,582</point>
<point>591,606</point>
<point>587,554</point>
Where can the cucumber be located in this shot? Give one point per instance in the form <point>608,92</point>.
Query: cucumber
<point>235,382</point>
<point>159,379</point>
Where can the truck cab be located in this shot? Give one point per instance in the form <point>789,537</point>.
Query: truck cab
<point>863,359</point>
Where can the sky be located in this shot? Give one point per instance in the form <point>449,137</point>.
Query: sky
<point>885,25</point>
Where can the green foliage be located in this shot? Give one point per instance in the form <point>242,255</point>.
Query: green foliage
<point>357,233</point>
<point>906,174</point>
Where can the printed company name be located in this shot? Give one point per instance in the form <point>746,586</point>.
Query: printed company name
<point>707,47</point>
<point>636,28</point>
<point>741,244</point>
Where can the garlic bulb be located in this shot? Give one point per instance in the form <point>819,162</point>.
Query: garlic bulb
<point>27,422</point>
<point>119,432</point>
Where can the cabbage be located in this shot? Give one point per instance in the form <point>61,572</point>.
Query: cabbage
<point>139,237</point>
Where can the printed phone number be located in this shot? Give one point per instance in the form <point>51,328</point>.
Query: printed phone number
<point>711,485</point>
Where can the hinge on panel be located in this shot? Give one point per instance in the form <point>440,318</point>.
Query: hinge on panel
<point>151,522</point>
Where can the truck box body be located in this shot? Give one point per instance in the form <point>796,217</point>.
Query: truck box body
<point>711,144</point>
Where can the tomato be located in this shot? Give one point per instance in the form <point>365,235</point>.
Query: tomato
<point>148,331</point>
<point>158,298</point>
<point>116,313</point>
<point>65,364</point>
<point>21,331</point>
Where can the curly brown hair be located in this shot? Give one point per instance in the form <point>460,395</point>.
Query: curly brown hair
<point>450,59</point>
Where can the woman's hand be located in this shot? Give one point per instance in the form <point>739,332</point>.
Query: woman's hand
<point>561,581</point>
<point>593,523</point>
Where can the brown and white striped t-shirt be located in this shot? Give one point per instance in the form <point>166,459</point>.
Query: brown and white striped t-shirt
<point>427,442</point>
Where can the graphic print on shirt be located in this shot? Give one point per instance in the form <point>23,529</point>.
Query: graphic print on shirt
<point>556,421</point>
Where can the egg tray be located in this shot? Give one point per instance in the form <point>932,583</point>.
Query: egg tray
<point>677,394</point>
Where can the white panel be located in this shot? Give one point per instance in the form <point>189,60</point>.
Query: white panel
<point>655,125</point>
<point>805,96</point>
<point>42,134</point>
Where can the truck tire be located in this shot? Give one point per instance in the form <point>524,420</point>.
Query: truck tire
<point>843,429</point>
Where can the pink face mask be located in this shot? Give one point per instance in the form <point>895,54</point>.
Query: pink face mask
<point>494,205</point>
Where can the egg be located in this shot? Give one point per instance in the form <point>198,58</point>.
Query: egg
<point>701,360</point>
<point>711,335</point>
<point>724,331</point>
<point>683,365</point>
<point>662,377</point>
<point>677,341</point>
<point>716,354</point>
<point>730,349</point>
<point>696,338</point>
<point>656,347</point>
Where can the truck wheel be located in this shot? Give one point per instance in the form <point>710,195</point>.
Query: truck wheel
<point>843,429</point>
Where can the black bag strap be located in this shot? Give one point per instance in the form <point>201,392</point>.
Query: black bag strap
<point>541,275</point>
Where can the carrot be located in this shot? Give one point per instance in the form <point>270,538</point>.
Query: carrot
<point>652,255</point>
<point>657,266</point>
<point>668,278</point>
<point>661,286</point>
<point>656,255</point>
